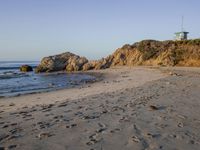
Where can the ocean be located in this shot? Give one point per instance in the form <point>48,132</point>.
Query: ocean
<point>15,83</point>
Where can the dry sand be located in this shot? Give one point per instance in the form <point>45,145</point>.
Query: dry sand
<point>138,108</point>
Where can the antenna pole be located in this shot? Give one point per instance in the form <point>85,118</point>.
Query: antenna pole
<point>182,23</point>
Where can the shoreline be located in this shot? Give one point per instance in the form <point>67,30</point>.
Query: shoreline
<point>98,77</point>
<point>106,76</point>
<point>91,77</point>
<point>131,108</point>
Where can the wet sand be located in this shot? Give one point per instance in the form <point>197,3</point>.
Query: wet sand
<point>140,108</point>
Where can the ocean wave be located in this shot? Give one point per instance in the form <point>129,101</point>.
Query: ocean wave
<point>13,68</point>
<point>11,74</point>
<point>10,65</point>
<point>8,68</point>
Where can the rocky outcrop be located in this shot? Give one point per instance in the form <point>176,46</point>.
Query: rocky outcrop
<point>65,61</point>
<point>155,53</point>
<point>147,52</point>
<point>25,68</point>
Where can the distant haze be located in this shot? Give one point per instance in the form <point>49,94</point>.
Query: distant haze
<point>32,29</point>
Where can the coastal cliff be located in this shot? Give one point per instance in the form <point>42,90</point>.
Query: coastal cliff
<point>147,52</point>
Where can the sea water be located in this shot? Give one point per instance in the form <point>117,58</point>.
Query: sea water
<point>14,83</point>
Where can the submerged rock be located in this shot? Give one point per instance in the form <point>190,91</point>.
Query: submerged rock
<point>26,68</point>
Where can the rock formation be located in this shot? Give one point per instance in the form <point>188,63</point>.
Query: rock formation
<point>65,61</point>
<point>147,52</point>
<point>25,68</point>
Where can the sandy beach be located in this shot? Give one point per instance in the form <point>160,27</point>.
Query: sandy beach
<point>140,108</point>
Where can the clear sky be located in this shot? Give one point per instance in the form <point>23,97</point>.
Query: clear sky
<point>32,29</point>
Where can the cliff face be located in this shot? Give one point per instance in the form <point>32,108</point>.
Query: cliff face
<point>147,52</point>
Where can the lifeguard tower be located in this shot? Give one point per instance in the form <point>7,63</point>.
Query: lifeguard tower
<point>183,35</point>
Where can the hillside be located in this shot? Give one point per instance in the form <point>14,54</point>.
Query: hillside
<point>147,52</point>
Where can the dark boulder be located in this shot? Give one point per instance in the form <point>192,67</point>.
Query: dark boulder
<point>26,68</point>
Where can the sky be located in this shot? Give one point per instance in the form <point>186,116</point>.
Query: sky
<point>33,29</point>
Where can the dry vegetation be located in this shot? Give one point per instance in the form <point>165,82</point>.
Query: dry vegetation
<point>164,53</point>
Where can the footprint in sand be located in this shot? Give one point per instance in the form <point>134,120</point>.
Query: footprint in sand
<point>180,125</point>
<point>150,135</point>
<point>135,139</point>
<point>12,104</point>
<point>2,123</point>
<point>153,107</point>
<point>44,135</point>
<point>58,117</point>
<point>15,130</point>
<point>11,146</point>
<point>94,138</point>
<point>124,119</point>
<point>3,137</point>
<point>71,126</point>
<point>5,126</point>
<point>90,117</point>
<point>13,124</point>
<point>100,130</point>
<point>11,137</point>
<point>140,137</point>
<point>62,105</point>
<point>115,130</point>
